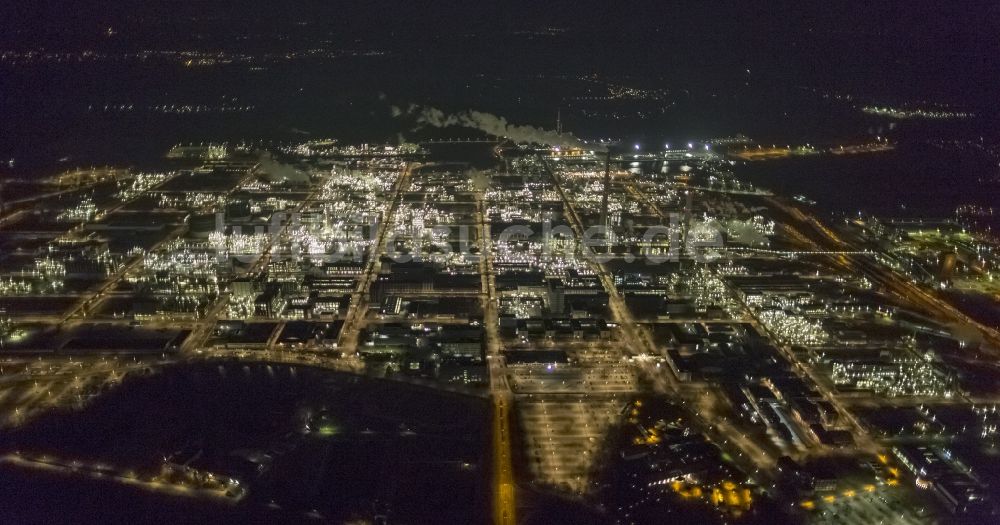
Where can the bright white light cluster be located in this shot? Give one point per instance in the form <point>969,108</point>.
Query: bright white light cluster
<point>192,200</point>
<point>902,377</point>
<point>181,281</point>
<point>329,148</point>
<point>85,211</point>
<point>522,305</point>
<point>239,244</point>
<point>346,184</point>
<point>730,268</point>
<point>240,307</point>
<point>704,287</point>
<point>793,329</point>
<point>560,257</point>
<point>49,269</point>
<point>272,204</point>
<point>989,419</point>
<point>138,184</point>
<point>186,262</point>
<point>15,286</point>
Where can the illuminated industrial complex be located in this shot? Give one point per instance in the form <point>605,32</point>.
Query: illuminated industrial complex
<point>708,342</point>
<point>299,261</point>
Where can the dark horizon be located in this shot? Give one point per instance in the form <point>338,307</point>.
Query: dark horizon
<point>922,48</point>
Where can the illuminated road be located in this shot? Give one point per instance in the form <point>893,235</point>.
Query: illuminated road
<point>702,401</point>
<point>856,265</point>
<point>750,456</point>
<point>504,502</point>
<point>619,312</point>
<point>83,307</point>
<point>104,472</point>
<point>359,299</point>
<point>504,506</point>
<point>29,387</point>
<point>33,387</point>
<point>202,329</point>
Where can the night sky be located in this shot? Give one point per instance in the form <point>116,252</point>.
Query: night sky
<point>939,48</point>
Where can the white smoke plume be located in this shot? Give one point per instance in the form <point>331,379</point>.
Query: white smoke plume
<point>490,124</point>
<point>278,172</point>
<point>967,334</point>
<point>744,232</point>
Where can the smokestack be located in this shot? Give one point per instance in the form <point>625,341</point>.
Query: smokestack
<point>948,262</point>
<point>491,125</point>
<point>687,220</point>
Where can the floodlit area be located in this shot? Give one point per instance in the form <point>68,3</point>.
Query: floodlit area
<point>564,439</point>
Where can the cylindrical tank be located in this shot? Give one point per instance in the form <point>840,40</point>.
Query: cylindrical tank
<point>201,225</point>
<point>238,210</point>
<point>947,261</point>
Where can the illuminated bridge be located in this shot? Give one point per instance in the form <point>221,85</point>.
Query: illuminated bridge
<point>796,253</point>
